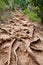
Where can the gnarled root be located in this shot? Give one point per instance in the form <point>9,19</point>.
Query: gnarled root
<point>30,52</point>
<point>32,55</point>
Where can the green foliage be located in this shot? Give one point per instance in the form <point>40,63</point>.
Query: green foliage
<point>2,5</point>
<point>6,4</point>
<point>11,3</point>
<point>26,11</point>
<point>33,17</point>
<point>24,4</point>
<point>39,3</point>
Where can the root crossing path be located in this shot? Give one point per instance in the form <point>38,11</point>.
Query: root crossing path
<point>21,42</point>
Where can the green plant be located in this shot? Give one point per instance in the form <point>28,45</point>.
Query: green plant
<point>2,5</point>
<point>33,17</point>
<point>39,3</point>
<point>26,11</point>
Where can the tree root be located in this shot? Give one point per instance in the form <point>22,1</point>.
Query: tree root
<point>9,57</point>
<point>33,47</point>
<point>16,57</point>
<point>10,52</point>
<point>16,49</point>
<point>30,52</point>
<point>5,30</point>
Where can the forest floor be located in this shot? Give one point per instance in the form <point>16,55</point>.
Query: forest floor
<point>21,41</point>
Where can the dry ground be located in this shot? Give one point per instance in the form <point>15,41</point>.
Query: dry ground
<point>21,41</point>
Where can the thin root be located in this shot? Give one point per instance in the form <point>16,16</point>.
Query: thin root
<point>10,52</point>
<point>16,57</point>
<point>5,30</point>
<point>36,48</point>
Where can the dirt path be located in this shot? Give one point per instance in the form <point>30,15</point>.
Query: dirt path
<point>21,42</point>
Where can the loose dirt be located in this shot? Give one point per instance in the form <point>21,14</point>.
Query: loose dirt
<point>21,42</point>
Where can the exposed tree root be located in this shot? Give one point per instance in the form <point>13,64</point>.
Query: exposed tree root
<point>30,52</point>
<point>10,52</point>
<point>32,55</point>
<point>23,31</point>
<point>33,47</point>
<point>16,57</point>
<point>5,30</point>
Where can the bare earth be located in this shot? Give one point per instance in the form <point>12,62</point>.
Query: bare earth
<point>21,42</point>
